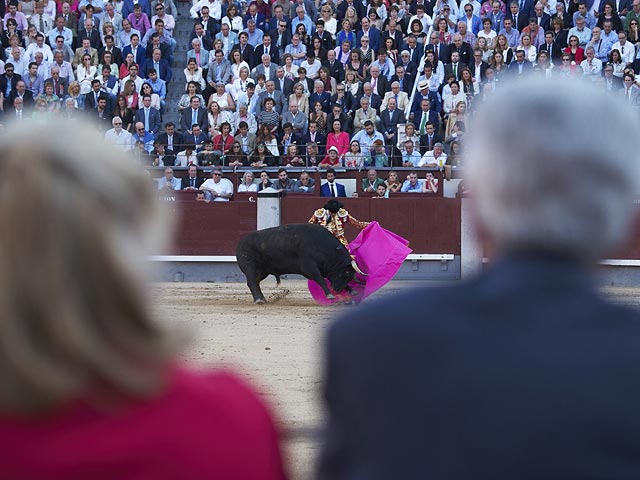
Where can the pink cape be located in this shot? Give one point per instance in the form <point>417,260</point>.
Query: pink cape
<point>379,253</point>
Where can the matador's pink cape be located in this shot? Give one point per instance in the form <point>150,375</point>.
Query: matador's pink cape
<point>379,253</point>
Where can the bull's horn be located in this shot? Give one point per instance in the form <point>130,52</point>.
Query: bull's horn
<point>355,267</point>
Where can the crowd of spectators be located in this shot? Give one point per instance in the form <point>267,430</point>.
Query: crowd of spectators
<point>303,83</point>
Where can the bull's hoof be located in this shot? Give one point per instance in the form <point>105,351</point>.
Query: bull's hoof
<point>260,301</point>
<point>331,296</point>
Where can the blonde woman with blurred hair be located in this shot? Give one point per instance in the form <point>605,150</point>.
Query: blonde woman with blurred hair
<point>90,384</point>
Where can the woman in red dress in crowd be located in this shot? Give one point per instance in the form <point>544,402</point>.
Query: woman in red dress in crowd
<point>575,51</point>
<point>337,138</point>
<point>90,385</point>
<point>224,140</point>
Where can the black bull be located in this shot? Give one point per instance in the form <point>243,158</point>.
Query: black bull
<point>304,249</point>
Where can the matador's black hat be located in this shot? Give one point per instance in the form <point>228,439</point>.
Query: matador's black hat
<point>333,206</point>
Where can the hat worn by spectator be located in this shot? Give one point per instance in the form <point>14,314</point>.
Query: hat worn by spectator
<point>438,144</point>
<point>378,142</point>
<point>423,84</point>
<point>334,149</point>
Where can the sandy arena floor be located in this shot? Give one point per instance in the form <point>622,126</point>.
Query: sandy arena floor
<point>277,346</point>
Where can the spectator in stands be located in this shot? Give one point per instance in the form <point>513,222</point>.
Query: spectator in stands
<point>85,73</point>
<point>430,184</point>
<point>22,93</point>
<point>631,91</point>
<point>191,182</point>
<point>454,158</point>
<point>195,115</point>
<point>354,158</point>
<point>169,181</point>
<point>216,118</point>
<point>390,118</point>
<point>287,138</point>
<point>411,184</point>
<point>265,135</point>
<point>118,135</point>
<point>591,66</point>
<point>264,182</point>
<point>370,184</point>
<point>224,140</point>
<point>207,156</point>
<point>129,92</point>
<point>219,71</point>
<point>194,74</point>
<point>141,135</point>
<point>410,157</point>
<point>236,157</point>
<point>148,116</point>
<point>246,184</point>
<point>304,184</point>
<point>249,98</point>
<point>409,133</point>
<point>172,139</point>
<point>139,20</point>
<point>331,159</point>
<point>435,158</point>
<point>217,188</point>
<point>331,188</point>
<point>367,136</point>
<point>74,93</point>
<point>392,184</point>
<point>268,117</point>
<point>581,32</point>
<point>161,156</point>
<point>187,156</point>
<point>338,114</point>
<point>313,155</point>
<point>378,155</point>
<point>262,157</point>
<point>627,49</point>
<point>363,115</point>
<point>296,49</point>
<point>297,119</point>
<point>283,182</point>
<point>193,89</point>
<point>198,53</point>
<point>458,131</point>
<point>246,139</point>
<point>338,138</point>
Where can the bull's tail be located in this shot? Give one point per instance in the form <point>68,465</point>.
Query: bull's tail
<point>277,280</point>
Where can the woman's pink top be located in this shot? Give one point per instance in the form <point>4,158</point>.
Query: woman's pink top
<point>204,426</point>
<point>341,142</point>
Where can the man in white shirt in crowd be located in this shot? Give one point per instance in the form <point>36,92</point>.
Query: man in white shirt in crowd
<point>118,136</point>
<point>591,66</point>
<point>435,158</point>
<point>627,49</point>
<point>217,188</point>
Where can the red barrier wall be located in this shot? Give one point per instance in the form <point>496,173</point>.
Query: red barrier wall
<point>431,225</point>
<point>209,228</point>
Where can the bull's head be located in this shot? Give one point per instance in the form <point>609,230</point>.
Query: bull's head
<point>340,278</point>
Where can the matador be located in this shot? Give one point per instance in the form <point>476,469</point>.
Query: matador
<point>333,217</point>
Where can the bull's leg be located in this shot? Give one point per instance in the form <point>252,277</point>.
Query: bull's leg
<point>311,271</point>
<point>254,286</point>
<point>254,277</point>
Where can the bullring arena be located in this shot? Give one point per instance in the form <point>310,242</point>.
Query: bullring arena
<point>277,346</point>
